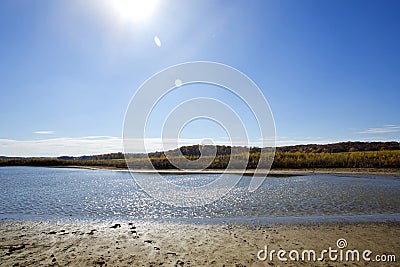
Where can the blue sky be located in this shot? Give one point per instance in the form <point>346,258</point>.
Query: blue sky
<point>329,69</point>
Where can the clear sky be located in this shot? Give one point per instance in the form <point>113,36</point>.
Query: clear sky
<point>330,70</point>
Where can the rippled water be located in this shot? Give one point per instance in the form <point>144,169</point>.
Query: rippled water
<point>52,193</point>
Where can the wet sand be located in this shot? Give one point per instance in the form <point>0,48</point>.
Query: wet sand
<point>33,243</point>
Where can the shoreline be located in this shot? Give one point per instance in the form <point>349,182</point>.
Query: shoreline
<point>178,244</point>
<point>239,221</point>
<point>131,241</point>
<point>261,172</point>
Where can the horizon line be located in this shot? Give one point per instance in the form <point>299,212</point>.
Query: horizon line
<point>155,151</point>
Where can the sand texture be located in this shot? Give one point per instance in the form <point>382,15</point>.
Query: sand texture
<point>26,243</point>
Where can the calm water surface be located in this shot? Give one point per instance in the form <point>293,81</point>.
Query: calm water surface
<point>52,193</point>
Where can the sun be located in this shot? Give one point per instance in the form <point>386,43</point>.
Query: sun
<point>134,10</point>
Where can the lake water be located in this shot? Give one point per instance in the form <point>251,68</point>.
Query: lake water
<point>56,193</point>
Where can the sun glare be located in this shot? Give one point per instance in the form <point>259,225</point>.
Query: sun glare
<point>134,10</point>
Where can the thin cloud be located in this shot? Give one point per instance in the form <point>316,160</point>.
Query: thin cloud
<point>54,147</point>
<point>382,130</point>
<point>91,145</point>
<point>44,132</point>
<point>98,137</point>
<point>86,145</point>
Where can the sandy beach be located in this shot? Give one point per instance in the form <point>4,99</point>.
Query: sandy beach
<point>33,243</point>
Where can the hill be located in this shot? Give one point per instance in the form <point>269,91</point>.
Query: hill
<point>336,155</point>
<point>194,150</point>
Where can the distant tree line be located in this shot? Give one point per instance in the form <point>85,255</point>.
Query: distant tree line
<point>194,150</point>
<point>338,155</point>
<point>342,147</point>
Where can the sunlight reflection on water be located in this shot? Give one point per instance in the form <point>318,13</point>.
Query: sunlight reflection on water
<point>97,194</point>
